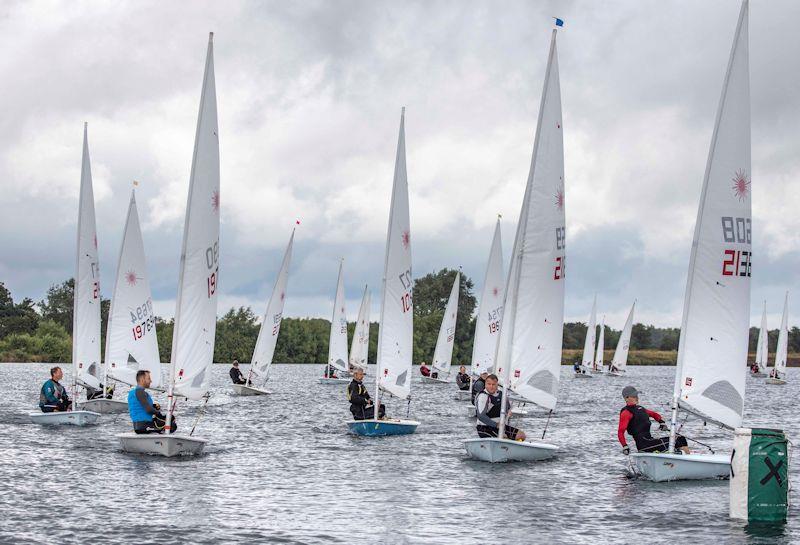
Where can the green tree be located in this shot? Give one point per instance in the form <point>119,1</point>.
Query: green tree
<point>16,318</point>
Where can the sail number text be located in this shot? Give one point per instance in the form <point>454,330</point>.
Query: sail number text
<point>737,231</point>
<point>561,244</point>
<point>212,262</point>
<point>405,299</point>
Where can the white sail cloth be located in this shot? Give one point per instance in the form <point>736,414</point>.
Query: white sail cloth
<point>131,343</point>
<point>490,309</point>
<point>781,352</point>
<point>443,353</point>
<point>762,345</point>
<point>359,350</point>
<point>591,337</point>
<point>601,346</point>
<point>337,342</point>
<point>620,360</point>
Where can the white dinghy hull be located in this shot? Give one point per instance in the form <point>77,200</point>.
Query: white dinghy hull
<point>72,418</point>
<point>429,380</point>
<point>660,467</point>
<point>243,390</point>
<point>381,428</point>
<point>778,381</point>
<point>494,450</point>
<point>615,374</point>
<point>758,375</point>
<point>104,406</point>
<point>324,380</point>
<point>462,395</point>
<point>583,375</point>
<point>161,445</point>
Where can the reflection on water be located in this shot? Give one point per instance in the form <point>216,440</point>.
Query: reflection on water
<point>283,469</point>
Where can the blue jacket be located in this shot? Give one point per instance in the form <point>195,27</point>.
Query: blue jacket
<point>52,393</point>
<point>140,405</point>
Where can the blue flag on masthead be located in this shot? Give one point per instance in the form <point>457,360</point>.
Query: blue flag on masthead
<point>559,22</point>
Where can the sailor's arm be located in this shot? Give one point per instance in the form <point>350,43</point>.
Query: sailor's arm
<point>480,404</point>
<point>141,395</point>
<point>624,420</point>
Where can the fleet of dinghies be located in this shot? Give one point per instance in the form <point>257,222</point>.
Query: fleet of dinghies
<point>519,320</point>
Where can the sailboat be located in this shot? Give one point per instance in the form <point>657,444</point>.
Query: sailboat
<point>781,352</point>
<point>443,353</point>
<point>359,350</point>
<point>131,343</point>
<point>762,346</point>
<point>396,333</point>
<point>587,362</point>
<point>528,356</point>
<point>196,305</point>
<point>86,305</point>
<point>601,345</point>
<point>337,346</point>
<point>261,361</point>
<point>620,360</point>
<point>712,351</point>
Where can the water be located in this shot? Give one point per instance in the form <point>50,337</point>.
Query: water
<point>283,469</point>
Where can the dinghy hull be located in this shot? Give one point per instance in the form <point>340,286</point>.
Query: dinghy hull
<point>615,374</point>
<point>462,395</point>
<point>382,428</point>
<point>324,380</point>
<point>661,467</point>
<point>104,406</point>
<point>243,390</point>
<point>777,381</point>
<point>161,445</point>
<point>495,450</point>
<point>72,418</point>
<point>758,375</point>
<point>582,375</point>
<point>429,380</point>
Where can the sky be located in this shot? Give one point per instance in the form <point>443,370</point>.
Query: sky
<point>309,97</point>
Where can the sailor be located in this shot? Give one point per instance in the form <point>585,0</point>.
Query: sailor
<point>635,419</point>
<point>146,415</point>
<point>424,370</point>
<point>236,374</point>
<point>477,386</point>
<point>487,408</point>
<point>579,370</point>
<point>330,371</point>
<point>97,393</point>
<point>53,396</point>
<point>361,405</point>
<point>462,379</point>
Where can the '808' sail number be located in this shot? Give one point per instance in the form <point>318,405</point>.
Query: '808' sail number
<point>405,299</point>
<point>212,262</point>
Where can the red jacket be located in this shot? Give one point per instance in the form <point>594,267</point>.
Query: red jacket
<point>625,418</point>
<point>425,371</point>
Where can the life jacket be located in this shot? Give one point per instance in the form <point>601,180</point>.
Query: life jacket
<point>58,392</point>
<point>135,408</point>
<point>493,404</point>
<point>639,424</point>
<point>359,389</point>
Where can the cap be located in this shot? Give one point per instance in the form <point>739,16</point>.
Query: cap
<point>629,391</point>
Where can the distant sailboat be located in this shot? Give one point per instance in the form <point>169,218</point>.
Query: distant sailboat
<point>396,333</point>
<point>712,351</point>
<point>601,346</point>
<point>529,348</point>
<point>587,362</point>
<point>359,350</point>
<point>196,305</point>
<point>778,374</point>
<point>261,361</point>
<point>86,306</point>
<point>620,361</point>
<point>443,353</point>
<point>337,345</point>
<point>762,346</point>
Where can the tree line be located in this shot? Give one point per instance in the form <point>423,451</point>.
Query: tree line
<point>41,331</point>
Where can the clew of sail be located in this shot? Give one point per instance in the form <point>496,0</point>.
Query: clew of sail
<point>196,306</point>
<point>131,343</point>
<point>712,352</point>
<point>529,348</point>
<point>490,309</point>
<point>395,336</point>
<point>443,353</point>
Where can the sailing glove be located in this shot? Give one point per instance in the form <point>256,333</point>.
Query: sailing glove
<point>663,426</point>
<point>626,450</point>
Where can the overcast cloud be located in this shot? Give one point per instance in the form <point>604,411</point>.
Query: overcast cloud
<point>309,97</point>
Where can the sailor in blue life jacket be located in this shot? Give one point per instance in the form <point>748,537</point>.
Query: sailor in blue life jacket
<point>146,415</point>
<point>361,405</point>
<point>487,408</point>
<point>53,396</point>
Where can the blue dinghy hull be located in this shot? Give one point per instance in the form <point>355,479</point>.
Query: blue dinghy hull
<point>381,428</point>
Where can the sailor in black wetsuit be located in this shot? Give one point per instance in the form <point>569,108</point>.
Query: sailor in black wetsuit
<point>487,407</point>
<point>635,419</point>
<point>236,374</point>
<point>462,379</point>
<point>477,386</point>
<point>361,404</point>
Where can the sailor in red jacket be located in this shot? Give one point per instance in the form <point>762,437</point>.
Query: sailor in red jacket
<point>635,419</point>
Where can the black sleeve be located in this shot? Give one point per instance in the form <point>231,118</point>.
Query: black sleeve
<point>360,400</point>
<point>141,395</point>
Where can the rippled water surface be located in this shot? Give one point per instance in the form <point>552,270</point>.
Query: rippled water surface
<point>283,469</point>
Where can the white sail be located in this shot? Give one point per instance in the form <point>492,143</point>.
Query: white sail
<point>490,309</point>
<point>781,352</point>
<point>131,343</point>
<point>86,300</point>
<point>443,353</point>
<point>762,346</point>
<point>601,346</point>
<point>196,305</point>
<point>359,350</point>
<point>271,323</point>
<point>712,352</point>
<point>529,348</point>
<point>591,337</point>
<point>620,360</point>
<point>337,346</point>
<point>395,336</point>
